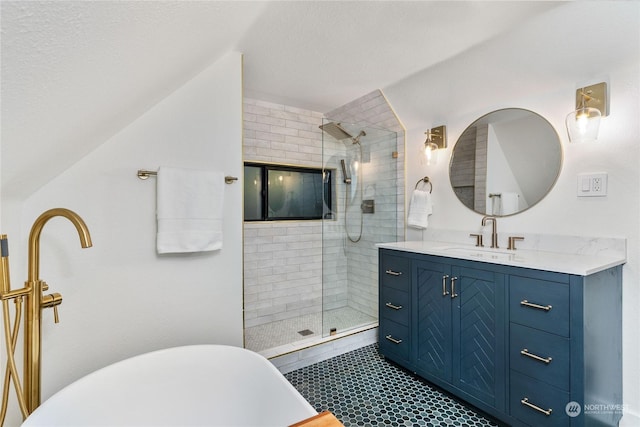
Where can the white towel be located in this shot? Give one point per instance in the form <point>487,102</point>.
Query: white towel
<point>420,208</point>
<point>509,203</point>
<point>189,210</point>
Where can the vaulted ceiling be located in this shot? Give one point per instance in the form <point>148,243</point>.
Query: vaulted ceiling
<point>73,73</point>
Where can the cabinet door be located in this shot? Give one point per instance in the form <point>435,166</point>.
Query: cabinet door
<point>479,365</point>
<point>432,338</point>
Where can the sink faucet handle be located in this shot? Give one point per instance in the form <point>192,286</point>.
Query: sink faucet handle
<point>512,242</point>
<point>478,239</point>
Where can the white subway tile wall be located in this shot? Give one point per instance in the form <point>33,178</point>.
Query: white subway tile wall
<point>282,259</point>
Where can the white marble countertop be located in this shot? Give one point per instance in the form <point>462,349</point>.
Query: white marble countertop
<point>572,263</point>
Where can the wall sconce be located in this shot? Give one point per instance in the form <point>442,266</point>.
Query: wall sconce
<point>591,104</point>
<point>436,139</point>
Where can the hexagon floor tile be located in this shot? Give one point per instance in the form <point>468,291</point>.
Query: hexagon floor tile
<point>362,389</point>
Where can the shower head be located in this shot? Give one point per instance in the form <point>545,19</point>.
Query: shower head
<point>336,131</point>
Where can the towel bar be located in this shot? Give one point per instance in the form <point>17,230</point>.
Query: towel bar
<point>145,174</point>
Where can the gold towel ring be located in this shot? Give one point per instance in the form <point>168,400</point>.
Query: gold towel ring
<point>425,180</point>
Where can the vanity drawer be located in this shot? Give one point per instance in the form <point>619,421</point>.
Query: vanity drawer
<point>541,355</point>
<point>394,271</point>
<point>394,340</point>
<point>536,403</point>
<point>394,305</point>
<point>540,304</point>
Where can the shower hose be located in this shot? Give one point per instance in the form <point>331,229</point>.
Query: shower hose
<point>10,337</point>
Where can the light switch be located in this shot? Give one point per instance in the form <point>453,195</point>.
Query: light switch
<point>586,184</point>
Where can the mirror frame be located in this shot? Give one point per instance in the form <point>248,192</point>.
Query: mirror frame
<point>484,118</point>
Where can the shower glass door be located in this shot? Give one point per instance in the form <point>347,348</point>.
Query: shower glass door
<point>358,161</point>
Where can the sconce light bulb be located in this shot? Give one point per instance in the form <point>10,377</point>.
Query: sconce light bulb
<point>430,152</point>
<point>356,165</point>
<point>582,121</point>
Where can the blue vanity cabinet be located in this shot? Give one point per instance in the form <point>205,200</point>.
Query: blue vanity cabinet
<point>394,306</point>
<point>527,346</point>
<point>460,334</point>
<point>565,348</point>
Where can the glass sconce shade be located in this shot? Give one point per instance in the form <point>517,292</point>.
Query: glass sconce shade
<point>430,153</point>
<point>583,124</point>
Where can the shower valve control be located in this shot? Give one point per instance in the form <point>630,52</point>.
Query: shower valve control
<point>368,206</point>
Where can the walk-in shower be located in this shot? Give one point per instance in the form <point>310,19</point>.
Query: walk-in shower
<point>306,280</point>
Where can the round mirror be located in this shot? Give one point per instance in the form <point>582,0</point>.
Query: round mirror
<point>505,162</point>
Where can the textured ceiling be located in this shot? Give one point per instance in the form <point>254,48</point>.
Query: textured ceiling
<point>73,73</point>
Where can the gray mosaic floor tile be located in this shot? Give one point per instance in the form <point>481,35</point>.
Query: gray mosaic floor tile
<point>362,389</point>
<point>274,334</point>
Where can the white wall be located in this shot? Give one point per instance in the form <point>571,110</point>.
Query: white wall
<point>538,67</point>
<point>120,297</point>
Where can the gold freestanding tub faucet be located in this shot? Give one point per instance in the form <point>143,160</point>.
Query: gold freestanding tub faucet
<point>28,391</point>
<point>35,301</point>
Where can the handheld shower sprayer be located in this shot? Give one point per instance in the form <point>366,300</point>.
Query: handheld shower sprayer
<point>345,173</point>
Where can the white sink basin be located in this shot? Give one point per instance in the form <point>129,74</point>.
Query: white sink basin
<point>482,253</point>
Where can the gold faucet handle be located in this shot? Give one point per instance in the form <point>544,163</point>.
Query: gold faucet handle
<point>512,242</point>
<point>52,300</point>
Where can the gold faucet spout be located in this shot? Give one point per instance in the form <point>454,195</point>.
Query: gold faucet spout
<point>36,229</point>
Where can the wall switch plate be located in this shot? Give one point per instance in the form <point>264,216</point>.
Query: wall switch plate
<point>592,184</point>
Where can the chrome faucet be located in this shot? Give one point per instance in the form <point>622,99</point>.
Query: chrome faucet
<point>494,229</point>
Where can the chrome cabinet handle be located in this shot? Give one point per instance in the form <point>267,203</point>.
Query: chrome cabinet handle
<point>453,287</point>
<point>526,303</point>
<point>395,307</point>
<point>394,273</point>
<point>526,402</point>
<point>444,285</point>
<point>393,340</point>
<point>546,360</point>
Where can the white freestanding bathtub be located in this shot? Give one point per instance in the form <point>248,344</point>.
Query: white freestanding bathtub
<point>201,385</point>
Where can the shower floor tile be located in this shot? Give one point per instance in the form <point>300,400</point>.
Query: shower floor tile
<point>362,389</point>
<point>275,334</point>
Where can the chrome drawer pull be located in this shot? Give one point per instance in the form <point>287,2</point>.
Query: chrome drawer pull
<point>532,305</point>
<point>395,307</point>
<point>393,340</point>
<point>394,273</point>
<point>546,360</point>
<point>445,292</point>
<point>525,402</point>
